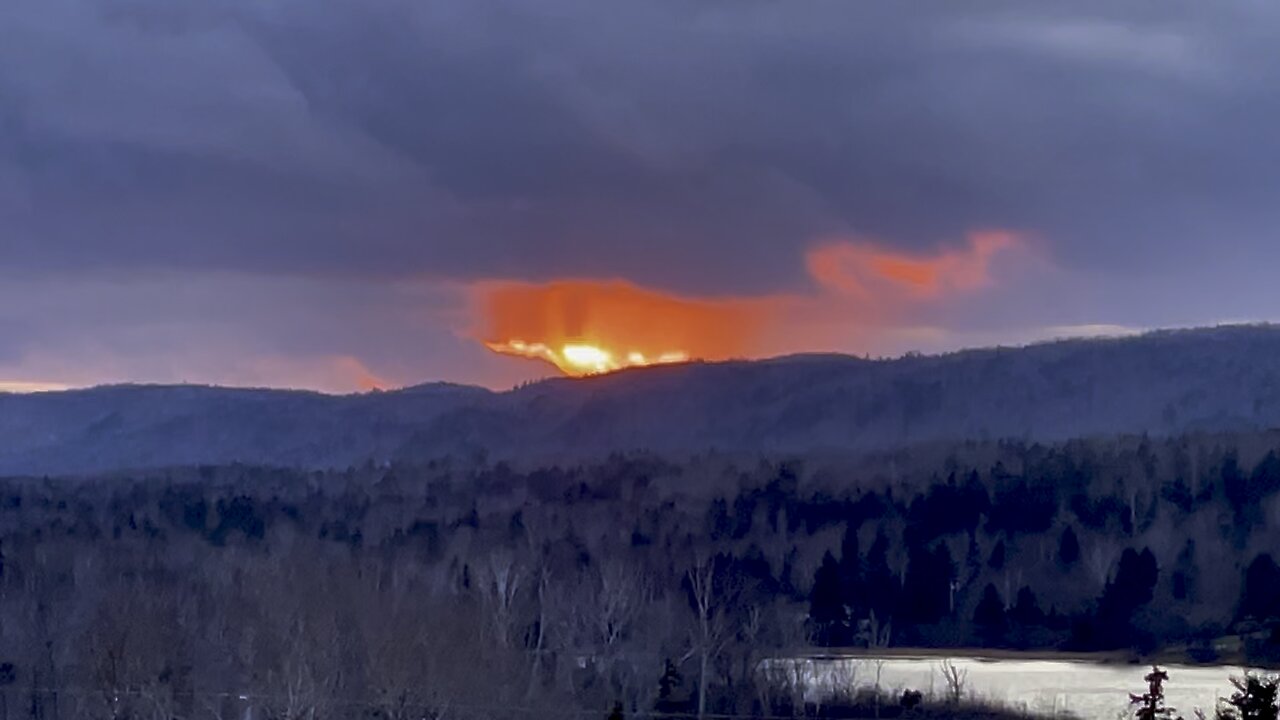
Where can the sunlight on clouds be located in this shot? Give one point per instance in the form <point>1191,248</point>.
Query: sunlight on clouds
<point>864,269</point>
<point>593,326</point>
<point>861,290</point>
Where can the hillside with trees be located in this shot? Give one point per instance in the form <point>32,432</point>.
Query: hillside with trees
<point>636,582</point>
<point>1163,384</point>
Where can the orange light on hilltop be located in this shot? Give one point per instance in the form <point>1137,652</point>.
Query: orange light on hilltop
<point>588,327</point>
<point>859,288</point>
<point>582,359</point>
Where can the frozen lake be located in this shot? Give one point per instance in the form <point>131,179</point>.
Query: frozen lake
<point>1055,687</point>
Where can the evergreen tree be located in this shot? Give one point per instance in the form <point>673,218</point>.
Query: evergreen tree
<point>671,695</point>
<point>1261,598</point>
<point>1150,705</point>
<point>976,493</point>
<point>947,567</point>
<point>927,589</point>
<point>1265,479</point>
<point>996,561</point>
<point>972,559</point>
<point>1254,699</point>
<point>1025,621</point>
<point>1185,573</point>
<point>719,524</point>
<point>1068,548</point>
<point>851,571</point>
<point>1132,587</point>
<point>1238,491</point>
<point>1026,611</point>
<point>879,580</point>
<point>989,616</point>
<point>826,606</point>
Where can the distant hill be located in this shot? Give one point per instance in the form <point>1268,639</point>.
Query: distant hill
<point>145,426</point>
<point>1222,379</point>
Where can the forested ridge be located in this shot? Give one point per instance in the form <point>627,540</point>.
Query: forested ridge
<point>1223,379</point>
<point>658,585</point>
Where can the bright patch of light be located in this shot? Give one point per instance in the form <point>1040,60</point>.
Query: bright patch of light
<point>582,358</point>
<point>588,358</point>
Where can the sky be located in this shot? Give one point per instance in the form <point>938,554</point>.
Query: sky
<point>343,194</point>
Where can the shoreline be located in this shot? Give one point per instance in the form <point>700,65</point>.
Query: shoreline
<point>1173,657</point>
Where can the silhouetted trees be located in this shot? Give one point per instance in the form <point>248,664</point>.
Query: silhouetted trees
<point>1150,705</point>
<point>672,695</point>
<point>881,586</point>
<point>826,605</point>
<point>1132,587</point>
<point>1026,610</point>
<point>997,558</point>
<point>578,581</point>
<point>927,592</point>
<point>1185,573</point>
<point>989,616</point>
<point>1068,548</point>
<point>1254,699</point>
<point>851,573</point>
<point>1261,596</point>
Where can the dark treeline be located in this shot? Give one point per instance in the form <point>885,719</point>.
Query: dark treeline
<point>1254,697</point>
<point>464,589</point>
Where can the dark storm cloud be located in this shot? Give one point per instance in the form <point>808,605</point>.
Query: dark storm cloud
<point>693,146</point>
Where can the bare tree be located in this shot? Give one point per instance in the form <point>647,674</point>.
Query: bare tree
<point>1101,559</point>
<point>956,679</point>
<point>134,651</point>
<point>842,681</point>
<point>506,589</point>
<point>621,593</point>
<point>425,663</point>
<point>877,666</point>
<point>502,579</point>
<point>305,683</point>
<point>711,600</point>
<point>396,637</point>
<point>595,614</point>
<point>296,662</point>
<point>542,584</point>
<point>752,637</point>
<point>878,634</point>
<point>788,679</point>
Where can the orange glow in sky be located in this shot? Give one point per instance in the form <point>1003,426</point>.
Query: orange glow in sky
<point>860,268</point>
<point>583,359</point>
<point>588,327</point>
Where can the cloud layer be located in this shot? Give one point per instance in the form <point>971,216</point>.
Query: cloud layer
<point>389,156</point>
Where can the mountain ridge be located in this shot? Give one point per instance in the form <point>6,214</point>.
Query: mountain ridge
<point>1219,379</point>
